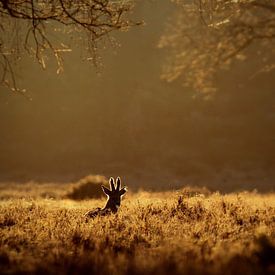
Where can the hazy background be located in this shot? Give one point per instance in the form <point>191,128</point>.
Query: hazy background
<point>128,122</point>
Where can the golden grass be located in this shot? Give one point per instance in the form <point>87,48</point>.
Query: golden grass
<point>153,233</point>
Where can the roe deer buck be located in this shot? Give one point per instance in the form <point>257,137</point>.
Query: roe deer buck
<point>113,202</point>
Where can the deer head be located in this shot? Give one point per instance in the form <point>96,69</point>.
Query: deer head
<point>114,195</point>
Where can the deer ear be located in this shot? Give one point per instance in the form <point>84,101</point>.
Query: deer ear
<point>106,190</point>
<point>118,183</point>
<point>112,184</point>
<point>122,191</point>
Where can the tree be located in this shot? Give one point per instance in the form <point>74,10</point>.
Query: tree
<point>30,26</point>
<point>208,36</point>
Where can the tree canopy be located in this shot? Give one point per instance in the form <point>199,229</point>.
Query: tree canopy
<point>207,36</point>
<point>42,27</point>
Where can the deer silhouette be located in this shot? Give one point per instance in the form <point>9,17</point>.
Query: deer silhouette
<point>114,198</point>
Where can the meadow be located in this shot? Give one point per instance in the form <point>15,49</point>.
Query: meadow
<point>185,231</point>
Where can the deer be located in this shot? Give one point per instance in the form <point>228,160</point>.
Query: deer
<point>114,195</point>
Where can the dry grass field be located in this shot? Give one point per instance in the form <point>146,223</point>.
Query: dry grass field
<point>186,231</point>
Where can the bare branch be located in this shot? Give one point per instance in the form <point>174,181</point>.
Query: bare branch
<point>90,20</point>
<point>206,36</point>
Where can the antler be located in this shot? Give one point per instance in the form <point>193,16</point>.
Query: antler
<point>112,185</point>
<point>114,189</point>
<point>118,184</point>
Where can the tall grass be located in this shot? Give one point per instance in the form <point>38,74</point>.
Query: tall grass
<point>153,233</point>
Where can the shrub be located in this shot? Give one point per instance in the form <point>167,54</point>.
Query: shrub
<point>88,187</point>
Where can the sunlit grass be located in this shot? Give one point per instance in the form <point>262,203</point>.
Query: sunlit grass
<point>153,233</point>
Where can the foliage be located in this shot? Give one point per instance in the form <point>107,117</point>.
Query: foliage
<point>151,234</point>
<point>207,36</point>
<point>31,27</point>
